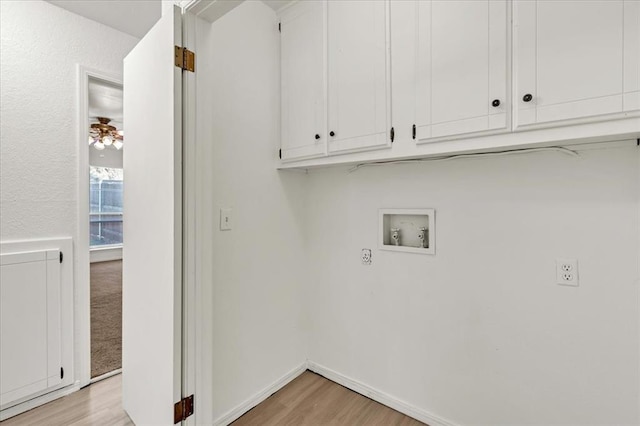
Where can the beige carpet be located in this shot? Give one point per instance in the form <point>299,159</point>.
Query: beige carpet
<point>106,317</point>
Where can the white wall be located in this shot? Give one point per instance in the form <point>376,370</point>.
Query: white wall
<point>109,157</point>
<point>252,275</point>
<point>480,333</point>
<point>477,334</point>
<point>41,46</point>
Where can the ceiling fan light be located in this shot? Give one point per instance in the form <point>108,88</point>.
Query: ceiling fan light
<point>90,140</point>
<point>107,140</point>
<point>117,144</point>
<point>98,145</point>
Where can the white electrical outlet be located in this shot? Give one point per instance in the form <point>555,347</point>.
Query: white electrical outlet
<point>366,256</point>
<point>226,219</point>
<point>567,272</point>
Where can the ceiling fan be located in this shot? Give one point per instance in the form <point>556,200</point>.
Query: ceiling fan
<point>102,134</point>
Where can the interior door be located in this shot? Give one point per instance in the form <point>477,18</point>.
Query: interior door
<point>152,253</point>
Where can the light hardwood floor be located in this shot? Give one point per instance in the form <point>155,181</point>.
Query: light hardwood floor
<point>97,404</point>
<point>311,399</point>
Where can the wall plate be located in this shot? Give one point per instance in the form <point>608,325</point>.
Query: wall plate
<point>226,219</point>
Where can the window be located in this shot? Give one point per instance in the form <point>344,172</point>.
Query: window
<point>105,213</point>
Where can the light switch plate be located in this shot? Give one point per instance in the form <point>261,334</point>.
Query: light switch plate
<point>226,219</point>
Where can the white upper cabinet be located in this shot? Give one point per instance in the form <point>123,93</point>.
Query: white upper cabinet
<point>575,60</point>
<point>303,73</point>
<point>462,68</point>
<point>468,76</point>
<point>359,75</point>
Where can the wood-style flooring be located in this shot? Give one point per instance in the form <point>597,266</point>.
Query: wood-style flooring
<point>98,404</point>
<point>311,399</point>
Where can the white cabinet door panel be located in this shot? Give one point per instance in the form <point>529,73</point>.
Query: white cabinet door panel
<point>303,74</point>
<point>30,324</point>
<point>576,59</point>
<point>631,71</point>
<point>359,77</point>
<point>462,67</point>
<point>54,329</point>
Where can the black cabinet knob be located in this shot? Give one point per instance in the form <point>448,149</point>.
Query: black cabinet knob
<point>317,136</point>
<point>495,103</point>
<point>527,97</point>
<point>332,133</point>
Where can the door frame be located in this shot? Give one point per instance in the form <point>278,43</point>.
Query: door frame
<point>195,341</point>
<point>82,305</point>
<point>191,290</point>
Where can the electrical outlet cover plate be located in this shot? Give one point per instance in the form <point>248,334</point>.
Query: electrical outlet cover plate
<point>366,256</point>
<point>567,272</point>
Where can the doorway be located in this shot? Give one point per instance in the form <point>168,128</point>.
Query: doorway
<point>105,206</point>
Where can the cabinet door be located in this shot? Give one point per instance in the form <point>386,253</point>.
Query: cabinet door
<point>462,68</point>
<point>575,59</point>
<point>30,324</point>
<point>303,74</point>
<point>359,77</point>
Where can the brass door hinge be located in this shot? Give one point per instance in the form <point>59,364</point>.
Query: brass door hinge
<point>185,59</point>
<point>182,409</point>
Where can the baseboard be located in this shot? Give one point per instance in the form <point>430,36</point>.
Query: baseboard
<point>105,254</point>
<point>106,375</point>
<point>379,396</point>
<point>38,401</point>
<point>256,399</point>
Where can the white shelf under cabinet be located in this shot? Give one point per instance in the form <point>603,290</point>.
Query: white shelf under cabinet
<point>577,134</point>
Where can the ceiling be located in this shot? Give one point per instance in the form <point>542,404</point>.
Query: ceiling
<point>277,4</point>
<point>105,100</point>
<point>134,17</point>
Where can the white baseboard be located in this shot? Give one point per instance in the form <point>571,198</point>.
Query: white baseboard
<point>105,254</point>
<point>36,402</point>
<point>256,399</point>
<point>106,375</point>
<point>379,396</point>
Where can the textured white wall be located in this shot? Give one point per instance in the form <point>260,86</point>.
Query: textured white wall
<point>480,333</point>
<point>41,45</point>
<point>252,275</point>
